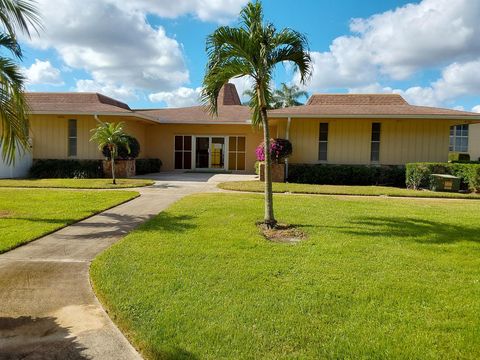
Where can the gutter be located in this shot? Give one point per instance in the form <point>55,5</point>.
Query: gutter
<point>387,116</point>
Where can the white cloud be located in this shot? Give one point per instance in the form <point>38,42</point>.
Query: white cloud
<point>476,109</point>
<point>116,46</point>
<point>395,44</point>
<point>117,92</point>
<point>42,73</point>
<point>180,97</point>
<point>220,11</point>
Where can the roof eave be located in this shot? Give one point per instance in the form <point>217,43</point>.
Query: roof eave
<point>92,113</point>
<point>377,116</point>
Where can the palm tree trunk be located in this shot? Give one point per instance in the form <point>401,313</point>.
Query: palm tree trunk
<point>112,156</point>
<point>269,220</point>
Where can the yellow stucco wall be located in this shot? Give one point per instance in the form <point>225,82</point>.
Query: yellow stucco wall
<point>160,140</point>
<point>49,134</point>
<point>474,141</point>
<point>349,140</point>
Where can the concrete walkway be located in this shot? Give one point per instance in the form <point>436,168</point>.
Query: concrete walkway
<point>47,307</point>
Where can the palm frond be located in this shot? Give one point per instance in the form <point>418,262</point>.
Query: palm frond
<point>20,14</point>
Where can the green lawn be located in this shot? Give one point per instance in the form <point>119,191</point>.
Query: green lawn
<point>27,214</point>
<point>257,186</point>
<point>75,183</point>
<point>377,278</point>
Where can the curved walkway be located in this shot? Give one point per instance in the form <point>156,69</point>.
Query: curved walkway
<point>47,307</point>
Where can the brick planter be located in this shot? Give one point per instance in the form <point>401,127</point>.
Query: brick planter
<point>123,168</point>
<point>278,172</point>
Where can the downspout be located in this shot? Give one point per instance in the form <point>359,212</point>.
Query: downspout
<point>287,136</point>
<point>96,117</point>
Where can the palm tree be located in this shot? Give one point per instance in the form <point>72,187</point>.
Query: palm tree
<point>254,49</point>
<point>15,15</point>
<point>288,96</point>
<point>110,135</point>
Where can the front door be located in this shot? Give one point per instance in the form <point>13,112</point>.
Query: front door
<point>202,152</point>
<point>217,152</point>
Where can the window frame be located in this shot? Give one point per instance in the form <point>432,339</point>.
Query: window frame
<point>456,136</point>
<point>72,137</point>
<point>183,152</point>
<point>323,140</point>
<point>375,140</point>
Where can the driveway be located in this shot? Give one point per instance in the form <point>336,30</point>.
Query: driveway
<point>47,307</point>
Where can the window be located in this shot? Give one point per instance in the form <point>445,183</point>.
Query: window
<point>236,153</point>
<point>72,137</point>
<point>323,142</point>
<point>183,152</point>
<point>459,138</point>
<point>375,145</point>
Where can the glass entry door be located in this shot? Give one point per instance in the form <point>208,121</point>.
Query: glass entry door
<point>202,152</point>
<point>217,152</point>
<point>209,152</point>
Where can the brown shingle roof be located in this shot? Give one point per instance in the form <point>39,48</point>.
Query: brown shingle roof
<point>228,95</point>
<point>365,105</point>
<point>356,99</point>
<point>74,102</point>
<point>199,114</point>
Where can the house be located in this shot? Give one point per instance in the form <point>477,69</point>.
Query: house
<point>332,129</point>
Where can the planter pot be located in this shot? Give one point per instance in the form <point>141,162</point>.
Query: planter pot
<point>123,168</point>
<point>278,172</point>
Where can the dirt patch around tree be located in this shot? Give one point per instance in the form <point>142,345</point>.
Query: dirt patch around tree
<point>5,214</point>
<point>282,233</point>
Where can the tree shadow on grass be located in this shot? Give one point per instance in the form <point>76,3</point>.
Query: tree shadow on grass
<point>171,354</point>
<point>37,338</point>
<point>420,230</point>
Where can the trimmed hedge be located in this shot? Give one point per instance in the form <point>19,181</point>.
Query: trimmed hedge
<point>147,166</point>
<point>418,175</point>
<point>347,174</point>
<point>76,169</point>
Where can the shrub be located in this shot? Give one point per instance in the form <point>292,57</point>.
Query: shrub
<point>419,174</point>
<point>346,174</point>
<point>147,166</point>
<point>54,168</point>
<point>122,151</point>
<point>257,167</point>
<point>458,157</point>
<point>280,149</point>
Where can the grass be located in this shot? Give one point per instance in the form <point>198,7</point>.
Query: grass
<point>75,183</point>
<point>376,278</point>
<point>27,214</point>
<point>257,186</point>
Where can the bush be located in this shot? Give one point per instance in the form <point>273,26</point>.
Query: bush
<point>418,175</point>
<point>458,157</point>
<point>347,174</point>
<point>257,167</point>
<point>78,169</point>
<point>122,151</point>
<point>280,149</point>
<point>147,166</point>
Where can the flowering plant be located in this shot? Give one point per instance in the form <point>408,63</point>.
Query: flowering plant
<point>279,150</point>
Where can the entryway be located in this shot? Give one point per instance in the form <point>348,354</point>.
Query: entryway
<point>210,152</point>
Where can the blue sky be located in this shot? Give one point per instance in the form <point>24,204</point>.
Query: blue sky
<point>151,53</point>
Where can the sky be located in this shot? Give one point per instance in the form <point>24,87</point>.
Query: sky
<point>151,53</point>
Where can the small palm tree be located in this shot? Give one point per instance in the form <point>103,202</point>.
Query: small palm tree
<point>112,136</point>
<point>15,15</point>
<point>254,49</point>
<point>288,96</point>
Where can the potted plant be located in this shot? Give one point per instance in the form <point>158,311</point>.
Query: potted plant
<point>280,149</point>
<point>125,157</point>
